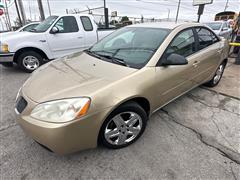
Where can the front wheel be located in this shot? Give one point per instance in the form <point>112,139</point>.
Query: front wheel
<point>218,76</point>
<point>29,61</point>
<point>124,126</point>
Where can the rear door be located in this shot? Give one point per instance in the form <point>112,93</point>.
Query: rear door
<point>68,40</point>
<point>90,31</point>
<point>208,54</point>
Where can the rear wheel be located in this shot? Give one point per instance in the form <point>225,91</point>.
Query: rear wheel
<point>29,61</point>
<point>218,76</point>
<point>124,126</point>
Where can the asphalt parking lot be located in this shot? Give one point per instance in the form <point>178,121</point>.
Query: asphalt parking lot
<point>195,137</point>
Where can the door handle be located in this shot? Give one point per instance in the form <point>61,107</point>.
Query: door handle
<point>195,64</point>
<point>80,37</point>
<point>220,51</point>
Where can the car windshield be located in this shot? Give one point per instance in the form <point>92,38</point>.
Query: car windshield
<point>43,26</point>
<point>214,26</point>
<point>130,46</point>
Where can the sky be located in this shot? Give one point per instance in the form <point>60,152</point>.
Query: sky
<point>133,8</point>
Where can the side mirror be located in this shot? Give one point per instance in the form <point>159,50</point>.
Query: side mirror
<point>54,30</point>
<point>224,29</point>
<point>174,59</point>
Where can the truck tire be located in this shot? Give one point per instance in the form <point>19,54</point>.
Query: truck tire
<point>29,61</point>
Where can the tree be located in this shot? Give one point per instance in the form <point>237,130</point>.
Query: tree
<point>113,22</point>
<point>124,18</point>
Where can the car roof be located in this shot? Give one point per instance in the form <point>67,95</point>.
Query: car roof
<point>166,25</point>
<point>215,22</point>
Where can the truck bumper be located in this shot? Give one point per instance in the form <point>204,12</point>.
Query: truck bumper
<point>6,57</point>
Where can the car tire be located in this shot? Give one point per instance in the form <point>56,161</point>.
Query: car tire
<point>217,76</point>
<point>7,64</point>
<point>29,61</point>
<point>123,126</point>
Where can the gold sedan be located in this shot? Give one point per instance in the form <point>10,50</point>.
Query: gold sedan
<point>106,94</point>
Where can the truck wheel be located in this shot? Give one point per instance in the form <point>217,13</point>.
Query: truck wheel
<point>29,61</point>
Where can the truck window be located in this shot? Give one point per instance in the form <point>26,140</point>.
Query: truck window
<point>86,22</point>
<point>67,24</point>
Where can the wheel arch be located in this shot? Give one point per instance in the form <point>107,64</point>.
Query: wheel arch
<point>142,101</point>
<point>225,61</point>
<point>37,50</point>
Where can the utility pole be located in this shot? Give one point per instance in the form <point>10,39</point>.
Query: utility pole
<point>40,6</point>
<point>20,3</point>
<point>49,9</point>
<point>168,13</point>
<point>200,11</point>
<point>105,14</point>
<point>7,16</point>
<point>18,13</point>
<point>179,2</point>
<point>226,6</point>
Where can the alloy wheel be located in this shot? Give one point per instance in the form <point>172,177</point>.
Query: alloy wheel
<point>31,62</point>
<point>123,128</point>
<point>218,74</point>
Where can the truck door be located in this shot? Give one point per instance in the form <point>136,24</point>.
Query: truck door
<point>90,30</point>
<point>69,38</point>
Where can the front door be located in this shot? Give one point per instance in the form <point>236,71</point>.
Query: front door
<point>68,40</point>
<point>174,80</point>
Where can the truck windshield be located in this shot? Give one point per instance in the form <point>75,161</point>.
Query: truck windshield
<point>43,26</point>
<point>130,46</point>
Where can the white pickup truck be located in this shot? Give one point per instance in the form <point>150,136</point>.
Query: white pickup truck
<point>55,37</point>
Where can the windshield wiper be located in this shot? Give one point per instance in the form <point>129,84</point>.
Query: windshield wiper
<point>112,58</point>
<point>134,48</point>
<point>115,60</point>
<point>92,53</point>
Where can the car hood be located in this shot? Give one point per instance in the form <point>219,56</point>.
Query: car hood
<point>75,76</point>
<point>13,36</point>
<point>217,32</point>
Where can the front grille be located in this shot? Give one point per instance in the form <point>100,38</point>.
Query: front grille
<point>21,104</point>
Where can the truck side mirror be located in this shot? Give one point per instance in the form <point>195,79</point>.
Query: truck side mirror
<point>54,30</point>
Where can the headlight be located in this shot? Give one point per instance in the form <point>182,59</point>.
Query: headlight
<point>4,48</point>
<point>61,110</point>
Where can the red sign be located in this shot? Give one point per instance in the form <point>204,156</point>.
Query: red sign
<point>1,12</point>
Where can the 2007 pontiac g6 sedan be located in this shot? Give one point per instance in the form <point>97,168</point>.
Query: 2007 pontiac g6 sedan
<point>106,94</point>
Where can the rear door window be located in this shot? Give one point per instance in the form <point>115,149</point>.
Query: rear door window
<point>205,37</point>
<point>86,22</point>
<point>183,44</point>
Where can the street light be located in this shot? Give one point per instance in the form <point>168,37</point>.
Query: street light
<point>105,14</point>
<point>179,3</point>
<point>49,9</point>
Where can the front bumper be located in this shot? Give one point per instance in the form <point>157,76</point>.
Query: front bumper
<point>63,138</point>
<point>6,57</point>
